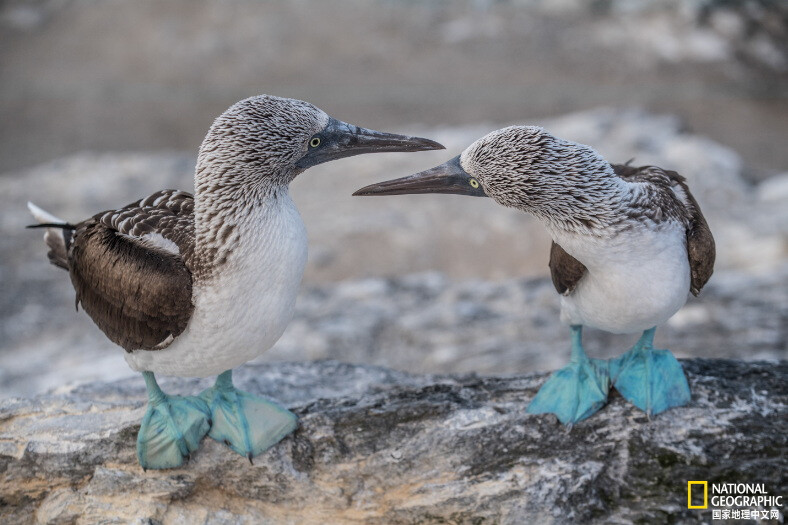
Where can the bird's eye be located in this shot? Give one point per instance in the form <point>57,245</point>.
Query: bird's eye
<point>474,183</point>
<point>315,142</point>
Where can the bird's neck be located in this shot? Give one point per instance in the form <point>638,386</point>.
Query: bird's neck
<point>589,205</point>
<point>229,208</point>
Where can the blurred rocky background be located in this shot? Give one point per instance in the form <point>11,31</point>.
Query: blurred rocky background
<point>104,102</point>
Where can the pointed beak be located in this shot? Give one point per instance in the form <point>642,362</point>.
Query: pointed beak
<point>340,139</point>
<point>449,178</point>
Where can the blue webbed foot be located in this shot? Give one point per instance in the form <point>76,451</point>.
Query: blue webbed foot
<point>650,379</point>
<point>171,428</point>
<point>576,391</point>
<point>246,423</point>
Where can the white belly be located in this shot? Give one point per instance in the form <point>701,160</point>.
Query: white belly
<point>246,306</point>
<point>634,281</point>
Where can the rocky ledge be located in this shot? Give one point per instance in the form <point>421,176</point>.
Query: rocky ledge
<point>380,446</point>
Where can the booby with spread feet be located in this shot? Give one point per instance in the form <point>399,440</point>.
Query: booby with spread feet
<point>629,244</point>
<point>196,285</point>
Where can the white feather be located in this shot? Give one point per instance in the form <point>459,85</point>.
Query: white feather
<point>43,216</point>
<point>159,241</point>
<point>244,308</point>
<point>635,280</point>
<point>53,237</point>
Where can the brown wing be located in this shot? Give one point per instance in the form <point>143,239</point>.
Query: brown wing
<point>700,243</point>
<point>565,270</point>
<point>137,290</point>
<point>701,249</point>
<point>169,213</point>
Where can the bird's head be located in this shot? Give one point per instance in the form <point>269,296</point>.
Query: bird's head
<point>267,141</point>
<point>523,167</point>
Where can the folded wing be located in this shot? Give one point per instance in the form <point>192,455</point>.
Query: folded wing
<point>701,249</point>
<point>131,269</point>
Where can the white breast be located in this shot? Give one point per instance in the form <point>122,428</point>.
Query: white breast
<point>635,280</point>
<point>244,309</point>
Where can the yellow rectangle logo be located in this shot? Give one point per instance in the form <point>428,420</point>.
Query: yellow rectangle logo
<point>705,485</point>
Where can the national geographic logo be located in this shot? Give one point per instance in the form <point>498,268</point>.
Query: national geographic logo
<point>734,500</point>
<point>704,491</point>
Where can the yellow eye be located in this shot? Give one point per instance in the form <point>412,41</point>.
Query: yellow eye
<point>474,183</point>
<point>315,142</point>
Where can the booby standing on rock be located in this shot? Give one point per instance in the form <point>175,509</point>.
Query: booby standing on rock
<point>628,244</point>
<point>197,285</point>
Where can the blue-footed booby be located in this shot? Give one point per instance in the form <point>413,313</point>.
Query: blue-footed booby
<point>195,285</point>
<point>628,245</point>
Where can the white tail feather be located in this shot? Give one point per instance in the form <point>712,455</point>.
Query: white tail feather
<point>43,216</point>
<point>53,237</point>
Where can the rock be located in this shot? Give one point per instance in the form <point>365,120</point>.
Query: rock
<point>379,446</point>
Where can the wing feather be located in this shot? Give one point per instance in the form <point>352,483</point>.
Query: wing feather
<point>138,292</point>
<point>565,270</point>
<point>701,250</point>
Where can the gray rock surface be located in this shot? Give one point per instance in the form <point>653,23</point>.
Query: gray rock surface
<point>378,446</point>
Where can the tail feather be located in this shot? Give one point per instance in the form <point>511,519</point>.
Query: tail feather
<point>57,236</point>
<point>58,225</point>
<point>43,216</point>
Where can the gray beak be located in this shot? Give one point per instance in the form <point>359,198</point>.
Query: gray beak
<point>449,177</point>
<point>340,139</point>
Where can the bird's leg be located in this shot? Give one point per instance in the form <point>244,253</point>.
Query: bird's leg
<point>650,379</point>
<point>247,424</point>
<point>171,428</point>
<point>576,391</point>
